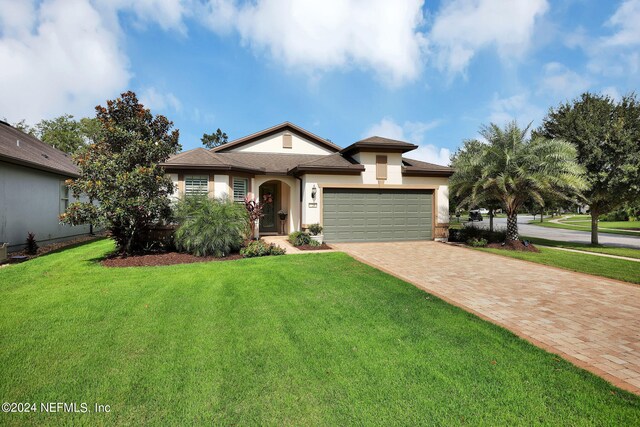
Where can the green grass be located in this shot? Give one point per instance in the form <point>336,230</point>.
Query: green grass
<point>626,252</point>
<point>314,339</point>
<point>585,227</point>
<point>583,223</point>
<point>627,271</point>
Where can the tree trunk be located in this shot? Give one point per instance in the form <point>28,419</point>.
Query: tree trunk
<point>491,220</point>
<point>512,226</point>
<point>541,216</point>
<point>594,226</point>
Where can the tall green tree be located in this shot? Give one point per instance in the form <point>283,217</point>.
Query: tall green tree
<point>62,132</point>
<point>120,171</point>
<point>606,134</point>
<point>23,126</point>
<point>216,139</point>
<point>513,169</point>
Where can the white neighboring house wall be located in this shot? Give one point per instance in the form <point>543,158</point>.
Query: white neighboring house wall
<point>31,201</point>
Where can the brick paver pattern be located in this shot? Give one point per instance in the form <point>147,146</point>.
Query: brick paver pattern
<point>593,321</point>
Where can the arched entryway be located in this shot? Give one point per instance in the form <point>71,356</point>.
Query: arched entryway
<point>280,192</point>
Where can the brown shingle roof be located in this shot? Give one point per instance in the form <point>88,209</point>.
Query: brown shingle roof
<point>24,149</point>
<point>336,162</point>
<point>378,143</point>
<point>276,163</point>
<point>418,168</point>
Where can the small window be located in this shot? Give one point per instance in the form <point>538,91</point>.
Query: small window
<point>196,185</point>
<point>64,197</point>
<point>240,187</point>
<point>287,141</point>
<point>381,167</point>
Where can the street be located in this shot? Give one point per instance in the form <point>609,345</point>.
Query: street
<point>526,229</point>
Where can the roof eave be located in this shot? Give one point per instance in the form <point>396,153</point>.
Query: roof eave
<point>378,147</point>
<point>21,162</point>
<point>230,168</point>
<point>426,172</point>
<point>327,170</point>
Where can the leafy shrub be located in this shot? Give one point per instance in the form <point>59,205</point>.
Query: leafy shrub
<point>619,215</point>
<point>257,248</point>
<point>314,243</point>
<point>299,238</point>
<point>32,245</point>
<point>315,229</point>
<point>469,232</point>
<point>477,243</point>
<point>209,226</point>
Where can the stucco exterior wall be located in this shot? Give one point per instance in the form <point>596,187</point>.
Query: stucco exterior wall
<point>273,144</point>
<point>30,202</point>
<point>394,167</point>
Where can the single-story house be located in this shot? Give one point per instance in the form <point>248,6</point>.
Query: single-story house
<point>367,191</point>
<point>32,190</point>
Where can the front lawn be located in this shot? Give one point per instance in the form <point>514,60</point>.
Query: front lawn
<point>315,339</point>
<point>609,250</point>
<point>620,269</point>
<point>579,223</point>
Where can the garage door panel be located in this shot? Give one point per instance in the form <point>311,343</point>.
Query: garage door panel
<point>376,215</point>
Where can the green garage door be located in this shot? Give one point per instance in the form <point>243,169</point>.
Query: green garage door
<point>372,215</point>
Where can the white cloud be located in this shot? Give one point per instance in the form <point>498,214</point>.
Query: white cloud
<point>613,92</point>
<point>63,60</point>
<point>560,81</point>
<point>168,14</point>
<point>625,20</point>
<point>616,54</point>
<point>516,107</point>
<point>376,35</point>
<point>463,27</point>
<point>154,100</point>
<point>413,132</point>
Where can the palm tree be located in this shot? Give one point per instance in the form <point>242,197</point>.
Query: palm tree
<point>512,169</point>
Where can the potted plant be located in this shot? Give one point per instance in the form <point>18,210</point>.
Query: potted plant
<point>315,230</point>
<point>282,214</point>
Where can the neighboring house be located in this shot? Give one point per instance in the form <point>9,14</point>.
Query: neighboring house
<point>32,190</point>
<point>365,192</point>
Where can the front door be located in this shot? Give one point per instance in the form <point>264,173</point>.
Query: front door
<point>269,222</point>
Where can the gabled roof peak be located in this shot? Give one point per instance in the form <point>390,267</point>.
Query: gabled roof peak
<point>275,129</point>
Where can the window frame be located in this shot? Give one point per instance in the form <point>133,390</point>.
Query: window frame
<point>64,197</point>
<point>245,180</point>
<point>202,189</point>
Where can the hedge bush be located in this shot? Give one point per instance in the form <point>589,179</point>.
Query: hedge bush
<point>299,238</point>
<point>257,248</point>
<point>469,232</point>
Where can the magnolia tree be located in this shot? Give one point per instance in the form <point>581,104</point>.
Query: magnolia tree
<point>254,209</point>
<point>120,172</point>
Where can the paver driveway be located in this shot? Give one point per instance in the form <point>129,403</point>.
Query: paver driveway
<point>592,321</point>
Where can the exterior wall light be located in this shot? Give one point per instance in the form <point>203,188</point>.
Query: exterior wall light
<point>314,191</point>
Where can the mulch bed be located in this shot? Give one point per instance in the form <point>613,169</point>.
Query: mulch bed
<point>322,247</point>
<point>45,249</point>
<point>514,246</point>
<point>167,258</point>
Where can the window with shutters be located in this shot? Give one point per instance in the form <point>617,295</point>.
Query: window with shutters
<point>196,185</point>
<point>381,167</point>
<point>240,189</point>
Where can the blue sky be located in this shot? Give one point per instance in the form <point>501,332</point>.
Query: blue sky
<point>428,72</point>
